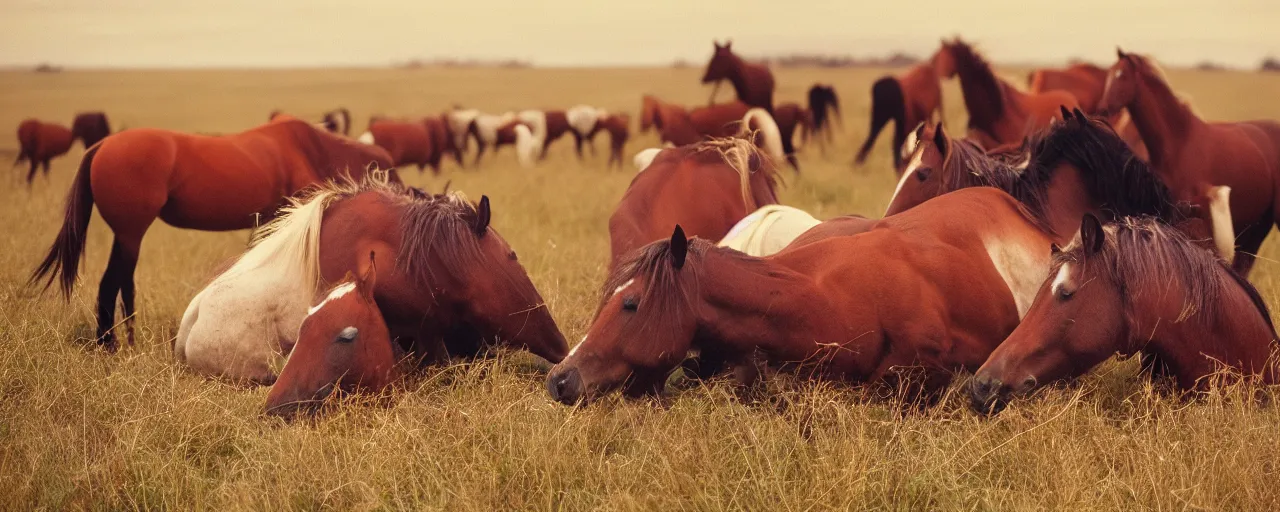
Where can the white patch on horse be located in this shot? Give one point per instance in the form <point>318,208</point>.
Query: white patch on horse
<point>1022,268</point>
<point>644,158</point>
<point>336,294</point>
<point>917,157</point>
<point>1064,274</point>
<point>1221,223</point>
<point>575,348</point>
<point>583,118</point>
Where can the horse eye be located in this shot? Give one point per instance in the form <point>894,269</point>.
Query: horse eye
<point>512,256</point>
<point>923,173</point>
<point>630,304</point>
<point>347,335</point>
<point>1065,294</point>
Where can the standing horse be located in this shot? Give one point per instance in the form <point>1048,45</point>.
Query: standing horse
<point>1079,166</point>
<point>908,100</point>
<point>493,131</point>
<point>449,283</point>
<point>408,142</point>
<point>1135,286</point>
<point>824,108</point>
<point>586,121</point>
<point>998,112</point>
<point>753,84</point>
<point>40,142</point>
<point>1086,82</point>
<point>681,127</point>
<point>1193,156</point>
<point>188,181</point>
<point>930,292</point>
<point>546,126</point>
<point>442,141</point>
<point>707,187</point>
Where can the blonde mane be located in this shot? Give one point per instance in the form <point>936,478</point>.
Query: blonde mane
<point>737,153</point>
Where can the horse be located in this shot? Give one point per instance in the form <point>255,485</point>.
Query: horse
<point>1139,287</point>
<point>824,108</point>
<point>459,122</point>
<point>408,142</point>
<point>40,142</point>
<point>1080,165</point>
<point>586,121</point>
<point>247,318</point>
<point>1193,156</point>
<point>495,131</point>
<point>908,100</point>
<point>791,117</point>
<point>998,112</point>
<point>337,121</point>
<point>188,181</point>
<point>908,303</point>
<point>681,127</point>
<point>449,284</point>
<point>706,187</point>
<point>1086,82</point>
<point>348,326</point>
<point>753,83</point>
<point>768,230</point>
<point>546,126</point>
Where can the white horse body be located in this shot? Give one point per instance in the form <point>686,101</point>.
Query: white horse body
<point>247,318</point>
<point>768,230</point>
<point>487,125</point>
<point>536,120</point>
<point>583,118</point>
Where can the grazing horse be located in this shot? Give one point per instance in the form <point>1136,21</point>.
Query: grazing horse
<point>546,126</point>
<point>247,318</point>
<point>1193,156</point>
<point>908,303</point>
<point>908,100</point>
<point>188,181</point>
<point>1135,286</point>
<point>586,121</point>
<point>408,143</point>
<point>824,108</point>
<point>448,284</point>
<point>40,142</point>
<point>768,230</point>
<point>1079,166</point>
<point>998,112</point>
<point>707,187</point>
<point>493,131</point>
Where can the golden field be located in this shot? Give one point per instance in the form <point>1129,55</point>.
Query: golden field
<point>83,430</point>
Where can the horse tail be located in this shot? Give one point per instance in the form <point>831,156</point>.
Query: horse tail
<point>63,260</point>
<point>818,107</point>
<point>887,103</point>
<point>771,136</point>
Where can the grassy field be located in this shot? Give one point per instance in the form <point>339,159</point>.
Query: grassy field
<point>80,429</point>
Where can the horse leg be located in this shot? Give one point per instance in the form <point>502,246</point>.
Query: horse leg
<point>480,146</point>
<point>31,175</point>
<point>116,280</point>
<point>899,138</point>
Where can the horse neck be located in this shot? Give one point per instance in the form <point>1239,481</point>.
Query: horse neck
<point>978,98</point>
<point>738,77</point>
<point>1161,118</point>
<point>752,303</point>
<point>762,190</point>
<point>1236,334</point>
<point>1066,200</point>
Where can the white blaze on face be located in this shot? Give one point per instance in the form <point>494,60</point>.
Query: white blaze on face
<point>575,348</point>
<point>1023,269</point>
<point>917,157</point>
<point>1063,277</point>
<point>336,294</point>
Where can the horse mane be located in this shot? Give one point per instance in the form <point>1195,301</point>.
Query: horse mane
<point>739,154</point>
<point>1148,66</point>
<point>1143,250</point>
<point>441,225</point>
<point>1123,184</point>
<point>974,70</point>
<point>664,296</point>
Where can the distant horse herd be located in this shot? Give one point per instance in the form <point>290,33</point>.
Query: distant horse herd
<point>1093,214</point>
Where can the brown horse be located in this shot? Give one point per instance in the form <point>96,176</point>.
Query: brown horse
<point>336,121</point>
<point>40,142</point>
<point>1079,166</point>
<point>824,109</point>
<point>408,142</point>
<point>681,127</point>
<point>188,181</point>
<point>1136,286</point>
<point>932,291</point>
<point>1193,156</point>
<point>753,84</point>
<point>454,286</point>
<point>998,112</point>
<point>908,100</point>
<point>707,187</point>
<point>1086,82</point>
<point>586,121</point>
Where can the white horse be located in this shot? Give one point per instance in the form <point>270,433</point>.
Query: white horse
<point>768,230</point>
<point>247,318</point>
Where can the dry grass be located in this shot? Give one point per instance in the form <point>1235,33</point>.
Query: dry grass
<point>79,429</point>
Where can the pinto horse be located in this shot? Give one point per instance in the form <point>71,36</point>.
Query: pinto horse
<point>188,181</point>
<point>586,122</point>
<point>1136,286</point>
<point>546,126</point>
<point>1193,156</point>
<point>448,284</point>
<point>908,99</point>
<point>493,131</point>
<point>932,291</point>
<point>40,142</point>
<point>998,112</point>
<point>708,187</point>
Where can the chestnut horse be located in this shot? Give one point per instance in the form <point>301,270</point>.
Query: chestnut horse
<point>708,187</point>
<point>449,284</point>
<point>1079,166</point>
<point>681,127</point>
<point>1086,82</point>
<point>1135,286</point>
<point>908,100</point>
<point>753,84</point>
<point>40,142</point>
<point>188,181</point>
<point>998,112</point>
<point>408,143</point>
<point>1193,156</point>
<point>909,302</point>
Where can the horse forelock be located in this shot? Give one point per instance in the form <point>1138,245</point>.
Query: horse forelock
<point>664,294</point>
<point>441,227</point>
<point>967,165</point>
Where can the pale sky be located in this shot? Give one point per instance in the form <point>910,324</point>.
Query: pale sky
<point>311,33</point>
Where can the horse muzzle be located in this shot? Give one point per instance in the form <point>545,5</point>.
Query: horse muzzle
<point>292,407</point>
<point>566,386</point>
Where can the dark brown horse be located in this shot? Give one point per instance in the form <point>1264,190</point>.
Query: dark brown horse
<point>824,108</point>
<point>188,181</point>
<point>447,285</point>
<point>908,100</point>
<point>706,187</point>
<point>40,142</point>
<point>907,303</point>
<point>753,84</point>
<point>998,112</point>
<point>1194,156</point>
<point>1136,286</point>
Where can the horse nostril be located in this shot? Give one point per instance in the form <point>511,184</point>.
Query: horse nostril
<point>565,387</point>
<point>1028,383</point>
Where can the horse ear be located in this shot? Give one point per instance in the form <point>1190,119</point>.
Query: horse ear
<point>728,43</point>
<point>368,279</point>
<point>1120,53</point>
<point>1091,234</point>
<point>1066,113</point>
<point>446,187</point>
<point>679,247</point>
<point>481,224</point>
<point>1080,114</point>
<point>940,139</point>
